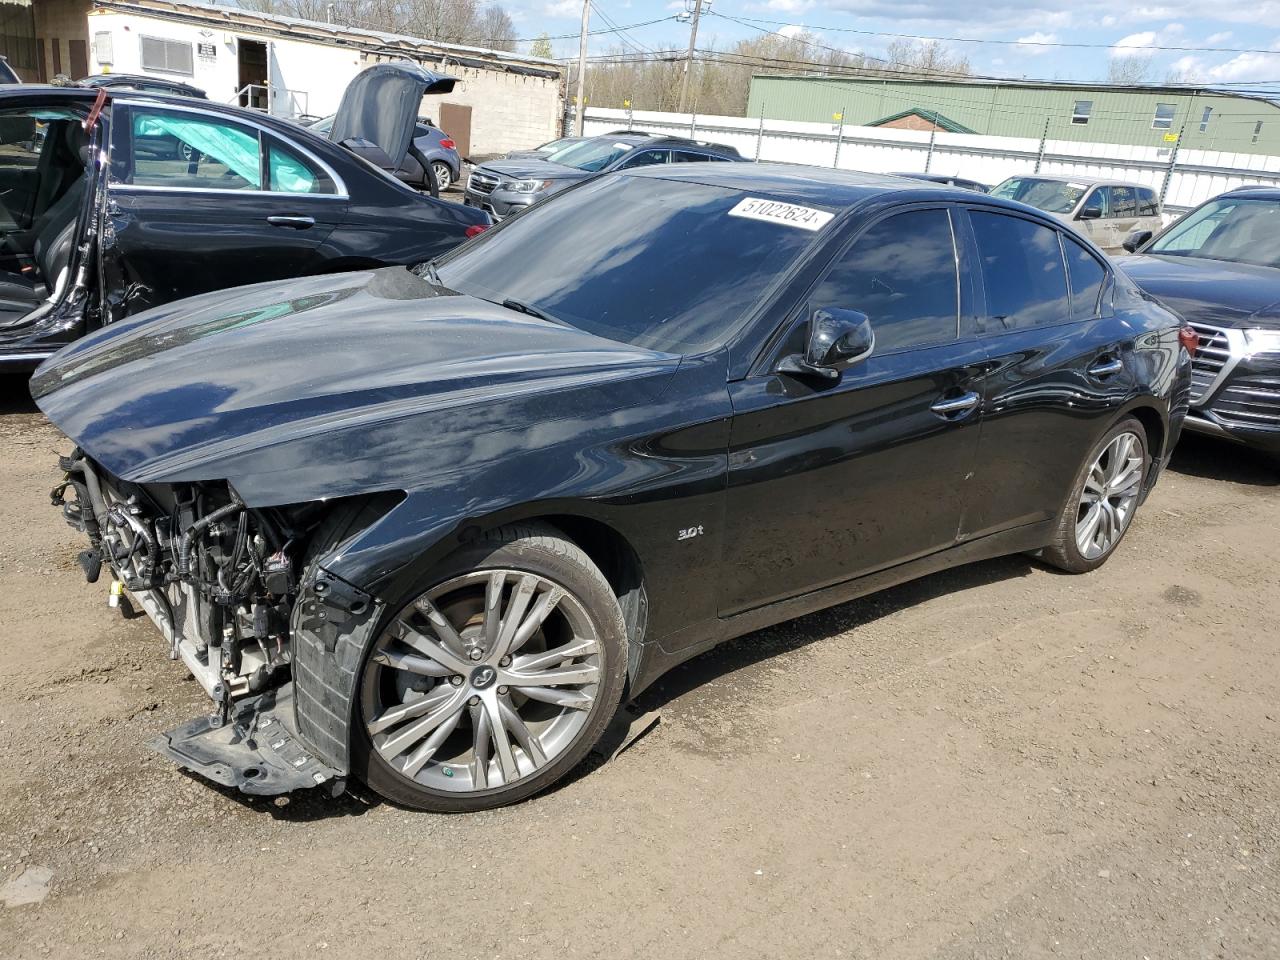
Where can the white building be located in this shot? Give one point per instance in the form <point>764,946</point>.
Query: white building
<point>503,101</point>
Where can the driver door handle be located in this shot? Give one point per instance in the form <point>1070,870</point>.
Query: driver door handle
<point>297,223</point>
<point>953,408</point>
<point>1106,366</point>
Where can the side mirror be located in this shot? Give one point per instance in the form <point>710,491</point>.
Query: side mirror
<point>1136,239</point>
<point>837,339</point>
<point>1090,212</point>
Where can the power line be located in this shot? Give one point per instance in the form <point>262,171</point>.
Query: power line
<point>616,28</point>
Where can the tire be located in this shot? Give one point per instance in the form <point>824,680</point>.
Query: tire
<point>1115,509</point>
<point>437,687</point>
<point>444,176</point>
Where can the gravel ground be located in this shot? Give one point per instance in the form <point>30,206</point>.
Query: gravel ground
<point>998,761</point>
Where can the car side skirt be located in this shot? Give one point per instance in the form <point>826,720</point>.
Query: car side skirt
<point>659,657</point>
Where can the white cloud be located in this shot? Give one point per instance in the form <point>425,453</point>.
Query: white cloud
<point>1031,43</point>
<point>792,30</point>
<point>563,8</point>
<point>790,6</point>
<point>1245,67</point>
<point>1134,45</point>
<point>1215,39</point>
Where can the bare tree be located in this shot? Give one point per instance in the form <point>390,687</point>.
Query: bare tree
<point>450,21</point>
<point>928,57</point>
<point>1128,71</point>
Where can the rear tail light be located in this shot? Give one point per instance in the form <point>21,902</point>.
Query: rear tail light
<point>447,144</point>
<point>1188,337</point>
<point>475,230</point>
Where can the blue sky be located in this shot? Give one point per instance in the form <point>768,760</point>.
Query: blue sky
<point>1116,28</point>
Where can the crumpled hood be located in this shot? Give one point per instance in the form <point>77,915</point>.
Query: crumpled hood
<point>1211,291</point>
<point>531,169</point>
<point>299,389</point>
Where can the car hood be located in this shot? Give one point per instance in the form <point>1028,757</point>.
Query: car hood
<point>381,105</point>
<point>1210,291</point>
<point>325,386</point>
<point>533,169</point>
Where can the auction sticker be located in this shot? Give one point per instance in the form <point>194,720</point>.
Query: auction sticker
<point>806,218</point>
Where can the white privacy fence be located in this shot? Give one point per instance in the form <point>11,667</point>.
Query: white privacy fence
<point>1184,178</point>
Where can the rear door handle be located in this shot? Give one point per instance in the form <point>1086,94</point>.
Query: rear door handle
<point>954,408</point>
<point>1106,366</point>
<point>297,223</point>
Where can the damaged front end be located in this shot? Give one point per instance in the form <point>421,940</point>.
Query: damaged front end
<point>221,581</point>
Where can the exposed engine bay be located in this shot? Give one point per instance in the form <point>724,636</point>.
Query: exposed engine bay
<point>220,581</point>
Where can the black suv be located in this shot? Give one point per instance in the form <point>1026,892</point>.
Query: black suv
<point>504,187</point>
<point>1219,267</point>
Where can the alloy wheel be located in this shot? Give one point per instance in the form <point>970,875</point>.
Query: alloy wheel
<point>444,178</point>
<point>1110,493</point>
<point>482,681</point>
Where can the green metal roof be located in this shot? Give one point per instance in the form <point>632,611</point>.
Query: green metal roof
<point>933,116</point>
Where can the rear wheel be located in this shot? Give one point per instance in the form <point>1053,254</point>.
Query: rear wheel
<point>1103,500</point>
<point>444,176</point>
<point>494,680</point>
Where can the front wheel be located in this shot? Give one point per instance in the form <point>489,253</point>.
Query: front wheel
<point>495,680</point>
<point>1102,502</point>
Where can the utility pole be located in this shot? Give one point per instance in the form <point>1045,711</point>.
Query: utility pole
<point>582,70</point>
<point>688,60</point>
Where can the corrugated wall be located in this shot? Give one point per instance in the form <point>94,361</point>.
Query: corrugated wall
<point>1125,117</point>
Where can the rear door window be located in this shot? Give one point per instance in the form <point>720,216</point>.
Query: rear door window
<point>902,273</point>
<point>685,156</point>
<point>1124,202</point>
<point>1022,272</point>
<point>185,150</point>
<point>1148,204</point>
<point>1087,277</point>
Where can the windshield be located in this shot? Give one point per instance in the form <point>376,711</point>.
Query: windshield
<point>1237,229</point>
<point>1051,196</point>
<point>590,155</point>
<point>661,264</point>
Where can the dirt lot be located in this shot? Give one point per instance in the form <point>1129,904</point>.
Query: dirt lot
<point>994,762</point>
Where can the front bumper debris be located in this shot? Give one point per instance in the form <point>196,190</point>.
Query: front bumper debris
<point>257,753</point>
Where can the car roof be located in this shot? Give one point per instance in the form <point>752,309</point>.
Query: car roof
<point>1087,181</point>
<point>1262,190</point>
<point>820,186</point>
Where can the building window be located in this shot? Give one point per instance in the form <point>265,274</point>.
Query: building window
<point>166,56</point>
<point>1081,112</point>
<point>1204,119</point>
<point>1257,131</point>
<point>1164,116</point>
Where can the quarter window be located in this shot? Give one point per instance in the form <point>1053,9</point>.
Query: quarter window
<point>1022,272</point>
<point>290,173</point>
<point>902,274</point>
<point>166,56</point>
<point>1087,276</point>
<point>1163,119</point>
<point>682,156</point>
<point>1082,111</point>
<point>187,150</point>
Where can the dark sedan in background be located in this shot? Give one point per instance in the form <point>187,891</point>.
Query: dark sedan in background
<point>504,187</point>
<point>1219,267</point>
<point>426,528</point>
<point>199,197</point>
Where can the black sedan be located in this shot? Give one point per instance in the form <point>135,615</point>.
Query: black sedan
<point>427,528</point>
<point>1219,267</point>
<point>112,202</point>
